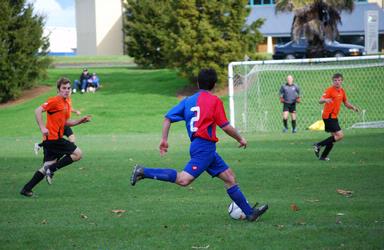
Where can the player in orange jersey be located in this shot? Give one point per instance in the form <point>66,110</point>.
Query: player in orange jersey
<point>58,152</point>
<point>332,97</point>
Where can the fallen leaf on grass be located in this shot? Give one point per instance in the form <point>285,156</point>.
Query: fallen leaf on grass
<point>118,211</point>
<point>83,216</point>
<point>346,193</point>
<point>301,222</point>
<point>197,247</point>
<point>279,226</point>
<point>44,221</point>
<point>294,207</point>
<point>312,200</point>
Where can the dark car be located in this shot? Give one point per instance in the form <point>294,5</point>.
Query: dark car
<point>292,49</point>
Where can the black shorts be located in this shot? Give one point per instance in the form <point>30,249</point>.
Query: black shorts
<point>331,125</point>
<point>68,131</point>
<point>290,107</point>
<point>55,149</point>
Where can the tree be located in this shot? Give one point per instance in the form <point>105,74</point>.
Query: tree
<point>317,20</point>
<point>190,34</point>
<point>21,37</point>
<point>146,27</point>
<point>212,34</point>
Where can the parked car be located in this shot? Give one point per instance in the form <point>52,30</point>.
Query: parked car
<point>292,49</point>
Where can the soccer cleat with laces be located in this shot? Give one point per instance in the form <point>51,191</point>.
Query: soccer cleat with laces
<point>316,149</point>
<point>257,212</point>
<point>137,174</point>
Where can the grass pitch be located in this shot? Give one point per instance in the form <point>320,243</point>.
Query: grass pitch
<point>76,212</point>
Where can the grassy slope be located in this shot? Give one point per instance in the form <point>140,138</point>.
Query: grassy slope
<point>75,212</point>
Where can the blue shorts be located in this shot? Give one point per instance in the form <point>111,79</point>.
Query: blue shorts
<point>204,158</point>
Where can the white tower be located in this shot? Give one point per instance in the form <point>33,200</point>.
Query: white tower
<point>99,26</point>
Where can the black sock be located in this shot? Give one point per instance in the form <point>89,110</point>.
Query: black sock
<point>327,149</point>
<point>37,177</point>
<point>327,141</point>
<point>285,122</point>
<point>65,161</point>
<point>293,124</point>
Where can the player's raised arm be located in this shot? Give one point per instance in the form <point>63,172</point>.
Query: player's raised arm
<point>232,132</point>
<point>163,147</point>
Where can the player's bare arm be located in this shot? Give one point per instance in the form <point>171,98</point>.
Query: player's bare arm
<point>83,119</point>
<point>39,119</point>
<point>232,132</point>
<point>350,106</point>
<point>163,147</point>
<point>325,100</point>
<point>77,112</point>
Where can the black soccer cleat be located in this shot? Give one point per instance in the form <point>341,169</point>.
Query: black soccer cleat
<point>257,212</point>
<point>324,159</point>
<point>27,193</point>
<point>316,149</point>
<point>137,174</point>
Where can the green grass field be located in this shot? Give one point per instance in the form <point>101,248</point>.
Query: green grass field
<point>280,169</point>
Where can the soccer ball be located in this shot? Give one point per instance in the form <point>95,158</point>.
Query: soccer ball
<point>235,212</point>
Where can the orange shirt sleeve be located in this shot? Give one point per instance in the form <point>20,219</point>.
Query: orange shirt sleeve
<point>49,105</point>
<point>327,93</point>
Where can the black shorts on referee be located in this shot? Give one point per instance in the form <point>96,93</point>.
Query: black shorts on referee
<point>331,125</point>
<point>55,149</point>
<point>290,107</point>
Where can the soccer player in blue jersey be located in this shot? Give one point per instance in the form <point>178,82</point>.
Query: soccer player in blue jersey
<point>201,113</point>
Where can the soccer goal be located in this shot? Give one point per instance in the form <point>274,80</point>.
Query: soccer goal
<point>254,91</point>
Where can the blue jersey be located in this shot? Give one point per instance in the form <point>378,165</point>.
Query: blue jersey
<point>202,112</point>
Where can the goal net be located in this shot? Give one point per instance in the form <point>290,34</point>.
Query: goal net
<point>254,91</point>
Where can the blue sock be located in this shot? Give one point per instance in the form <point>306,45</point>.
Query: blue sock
<point>162,174</point>
<point>238,197</point>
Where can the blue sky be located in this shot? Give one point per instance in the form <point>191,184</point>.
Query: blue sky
<point>58,13</point>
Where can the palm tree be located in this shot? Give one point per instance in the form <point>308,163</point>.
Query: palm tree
<point>316,20</point>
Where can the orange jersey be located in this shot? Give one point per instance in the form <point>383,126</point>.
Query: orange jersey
<point>331,110</point>
<point>58,112</point>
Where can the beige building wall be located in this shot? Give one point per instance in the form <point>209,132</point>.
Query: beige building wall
<point>99,27</point>
<point>379,2</point>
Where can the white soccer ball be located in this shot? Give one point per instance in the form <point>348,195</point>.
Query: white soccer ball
<point>235,212</point>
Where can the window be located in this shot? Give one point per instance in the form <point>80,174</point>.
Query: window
<point>262,2</point>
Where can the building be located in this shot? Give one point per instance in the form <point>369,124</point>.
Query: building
<point>99,25</point>
<point>62,40</point>
<point>277,27</point>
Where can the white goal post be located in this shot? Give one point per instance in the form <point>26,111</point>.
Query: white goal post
<point>254,86</point>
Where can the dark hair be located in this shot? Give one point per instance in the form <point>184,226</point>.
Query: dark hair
<point>337,75</point>
<point>207,79</point>
<point>62,81</point>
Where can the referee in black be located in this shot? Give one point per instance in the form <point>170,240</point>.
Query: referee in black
<point>289,96</point>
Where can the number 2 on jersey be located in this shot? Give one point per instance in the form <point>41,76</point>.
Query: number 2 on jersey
<point>194,119</point>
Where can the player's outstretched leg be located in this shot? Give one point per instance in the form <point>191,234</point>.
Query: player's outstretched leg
<point>257,212</point>
<point>161,174</point>
<point>137,174</point>
<point>36,178</point>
